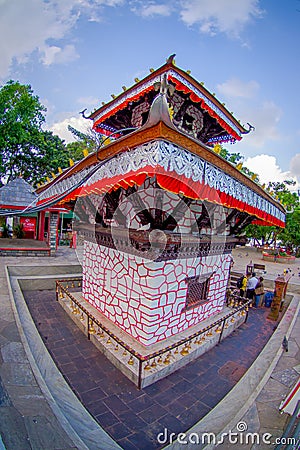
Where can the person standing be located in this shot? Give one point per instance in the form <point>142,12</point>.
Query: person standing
<point>259,292</point>
<point>251,285</point>
<point>242,285</point>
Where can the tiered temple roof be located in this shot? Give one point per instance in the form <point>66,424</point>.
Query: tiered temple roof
<point>166,126</point>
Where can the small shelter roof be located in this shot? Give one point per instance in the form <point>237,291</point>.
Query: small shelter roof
<point>16,195</point>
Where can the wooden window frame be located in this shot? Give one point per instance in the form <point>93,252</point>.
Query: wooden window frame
<point>200,283</point>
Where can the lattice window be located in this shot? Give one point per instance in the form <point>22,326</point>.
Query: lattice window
<point>197,290</point>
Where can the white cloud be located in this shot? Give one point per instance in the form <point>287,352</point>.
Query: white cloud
<point>267,168</point>
<point>295,165</point>
<point>151,9</point>
<point>265,118</point>
<point>61,128</point>
<point>263,115</point>
<point>58,55</point>
<point>238,88</point>
<point>28,26</point>
<point>88,101</point>
<point>226,16</point>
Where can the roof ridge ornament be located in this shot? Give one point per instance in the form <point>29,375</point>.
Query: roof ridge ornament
<point>171,59</point>
<point>251,127</point>
<point>164,87</point>
<point>159,110</point>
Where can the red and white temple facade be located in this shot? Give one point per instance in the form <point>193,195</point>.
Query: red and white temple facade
<point>159,209</point>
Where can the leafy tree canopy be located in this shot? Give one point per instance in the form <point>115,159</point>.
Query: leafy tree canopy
<point>25,148</point>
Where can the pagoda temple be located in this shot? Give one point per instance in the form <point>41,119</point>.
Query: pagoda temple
<point>159,210</point>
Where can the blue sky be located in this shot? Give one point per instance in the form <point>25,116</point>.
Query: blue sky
<point>75,53</point>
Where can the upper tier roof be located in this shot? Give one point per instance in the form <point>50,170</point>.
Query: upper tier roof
<point>159,131</point>
<point>194,110</point>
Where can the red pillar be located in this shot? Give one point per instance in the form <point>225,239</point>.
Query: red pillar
<point>41,225</point>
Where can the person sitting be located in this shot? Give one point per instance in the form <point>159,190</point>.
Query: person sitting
<point>251,285</point>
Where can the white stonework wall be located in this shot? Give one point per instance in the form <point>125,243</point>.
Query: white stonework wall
<point>146,298</point>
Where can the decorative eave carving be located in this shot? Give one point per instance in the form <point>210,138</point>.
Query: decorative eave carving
<point>161,131</point>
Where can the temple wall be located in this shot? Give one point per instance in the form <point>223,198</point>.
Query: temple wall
<point>146,298</point>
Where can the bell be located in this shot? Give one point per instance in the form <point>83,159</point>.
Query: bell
<point>167,360</point>
<point>130,361</point>
<point>232,319</point>
<point>176,351</point>
<point>209,333</point>
<point>82,317</point>
<point>226,325</point>
<point>100,333</point>
<point>184,351</point>
<point>92,329</point>
<point>108,341</point>
<point>116,348</point>
<point>147,366</point>
<point>72,285</point>
<point>153,364</point>
<point>159,361</point>
<point>79,283</point>
<point>218,329</point>
<point>124,353</point>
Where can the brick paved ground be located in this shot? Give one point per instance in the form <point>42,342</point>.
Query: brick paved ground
<point>134,417</point>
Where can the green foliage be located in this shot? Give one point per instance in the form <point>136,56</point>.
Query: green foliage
<point>90,140</point>
<point>18,231</point>
<point>288,199</point>
<point>5,231</point>
<point>290,235</point>
<point>75,150</point>
<point>231,157</point>
<point>25,148</point>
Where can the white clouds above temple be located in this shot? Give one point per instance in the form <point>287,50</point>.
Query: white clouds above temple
<point>214,16</point>
<point>60,128</point>
<point>32,26</point>
<point>76,53</point>
<point>268,170</point>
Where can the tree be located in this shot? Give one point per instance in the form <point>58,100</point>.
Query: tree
<point>25,148</point>
<point>91,140</point>
<point>271,235</point>
<point>290,235</point>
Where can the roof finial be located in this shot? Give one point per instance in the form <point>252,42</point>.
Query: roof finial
<point>171,60</point>
<point>83,113</point>
<point>250,128</point>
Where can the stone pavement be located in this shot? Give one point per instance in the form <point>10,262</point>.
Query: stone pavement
<point>133,417</point>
